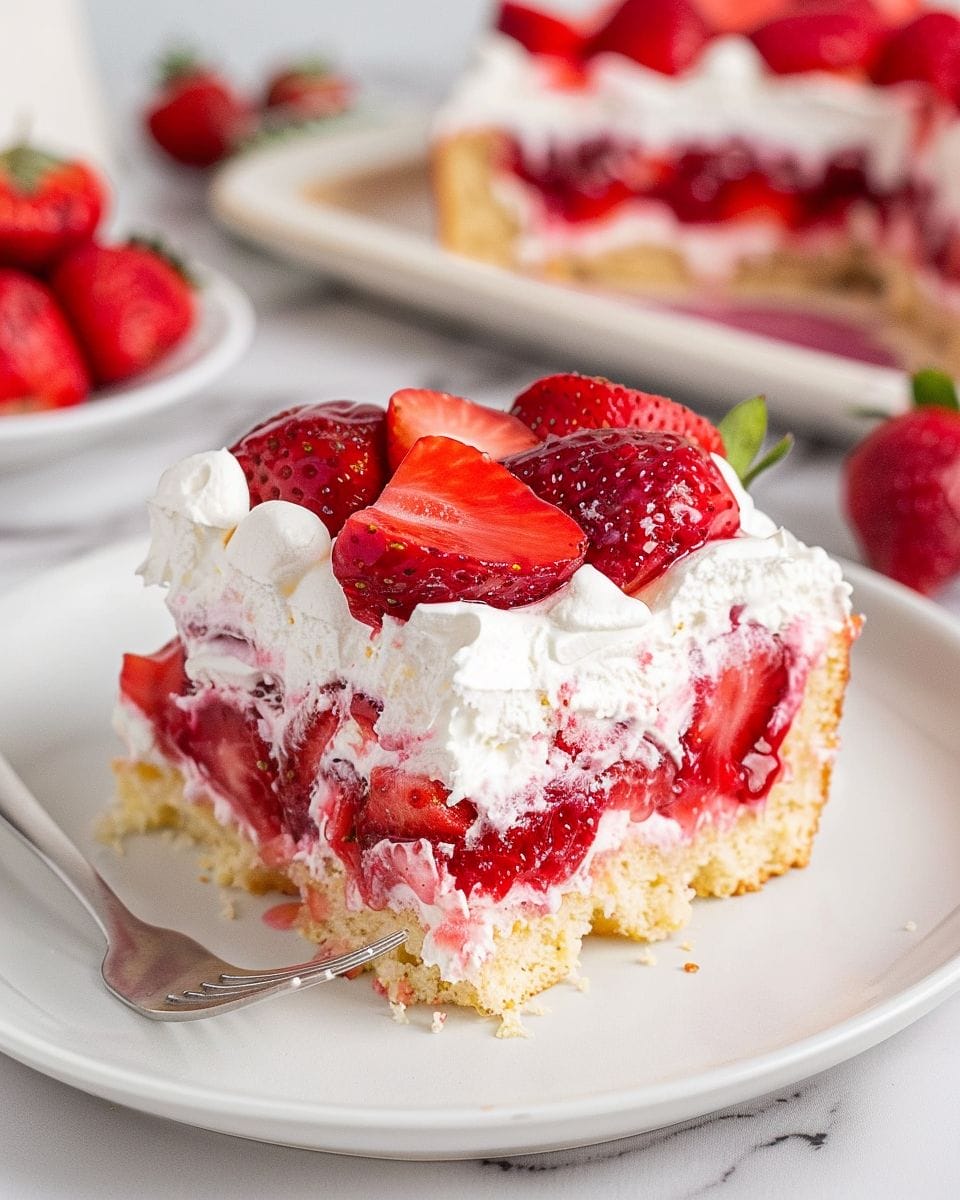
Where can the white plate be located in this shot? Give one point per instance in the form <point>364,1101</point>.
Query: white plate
<point>812,970</point>
<point>373,228</point>
<point>221,334</point>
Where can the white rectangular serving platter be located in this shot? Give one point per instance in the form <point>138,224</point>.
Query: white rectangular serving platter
<point>354,201</point>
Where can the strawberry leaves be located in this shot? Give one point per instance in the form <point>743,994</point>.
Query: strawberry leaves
<point>744,430</point>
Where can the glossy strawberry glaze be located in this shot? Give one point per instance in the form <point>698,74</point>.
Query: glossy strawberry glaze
<point>699,184</point>
<point>292,796</point>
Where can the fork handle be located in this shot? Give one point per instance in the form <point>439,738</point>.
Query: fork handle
<point>23,814</point>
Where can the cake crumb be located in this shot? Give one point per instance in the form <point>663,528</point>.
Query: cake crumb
<point>691,968</point>
<point>398,1010</point>
<point>647,959</point>
<point>686,946</point>
<point>910,926</point>
<point>580,982</point>
<point>438,1022</point>
<point>533,1008</point>
<point>203,878</point>
<point>511,1026</point>
<point>228,907</point>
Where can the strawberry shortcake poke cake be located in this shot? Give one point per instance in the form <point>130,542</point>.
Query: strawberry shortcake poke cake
<point>749,147</point>
<point>497,679</point>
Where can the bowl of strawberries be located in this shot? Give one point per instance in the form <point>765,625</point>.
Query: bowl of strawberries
<point>95,332</point>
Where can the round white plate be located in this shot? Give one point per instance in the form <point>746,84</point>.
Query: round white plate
<point>221,334</point>
<point>812,970</point>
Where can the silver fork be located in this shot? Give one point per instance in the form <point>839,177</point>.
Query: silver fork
<point>161,973</point>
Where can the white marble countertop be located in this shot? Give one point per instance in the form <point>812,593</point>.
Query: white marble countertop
<point>881,1125</point>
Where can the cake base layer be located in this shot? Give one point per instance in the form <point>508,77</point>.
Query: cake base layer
<point>642,890</point>
<point>472,220</point>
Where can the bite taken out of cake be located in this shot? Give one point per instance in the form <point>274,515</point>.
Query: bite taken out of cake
<point>499,679</point>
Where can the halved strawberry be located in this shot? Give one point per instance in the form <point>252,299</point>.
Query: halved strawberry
<point>562,404</point>
<point>415,413</point>
<point>739,720</point>
<point>664,35</point>
<point>825,35</point>
<point>453,525</point>
<point>406,807</point>
<point>643,498</point>
<point>227,747</point>
<point>539,32</point>
<point>152,682</point>
<point>927,50</point>
<point>330,458</point>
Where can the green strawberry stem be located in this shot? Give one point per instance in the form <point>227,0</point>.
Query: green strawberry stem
<point>27,166</point>
<point>744,430</point>
<point>934,389</point>
<point>156,245</point>
<point>179,63</point>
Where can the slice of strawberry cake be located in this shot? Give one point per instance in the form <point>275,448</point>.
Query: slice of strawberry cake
<point>499,679</point>
<point>748,148</point>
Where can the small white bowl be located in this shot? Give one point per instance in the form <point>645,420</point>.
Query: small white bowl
<point>223,330</point>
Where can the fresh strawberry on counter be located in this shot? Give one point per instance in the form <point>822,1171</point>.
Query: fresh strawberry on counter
<point>48,205</point>
<point>197,117</point>
<point>128,305</point>
<point>308,91</point>
<point>40,362</point>
<point>902,488</point>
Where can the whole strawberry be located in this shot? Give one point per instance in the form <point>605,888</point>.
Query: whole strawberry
<point>452,524</point>
<point>197,118</point>
<point>47,206</point>
<point>128,305</point>
<point>308,91</point>
<point>927,50</point>
<point>902,489</point>
<point>821,35</point>
<point>644,499</point>
<point>540,32</point>
<point>330,458</point>
<point>562,404</point>
<point>664,35</point>
<point>40,363</point>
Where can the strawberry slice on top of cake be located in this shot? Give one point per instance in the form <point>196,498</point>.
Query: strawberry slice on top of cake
<point>498,679</point>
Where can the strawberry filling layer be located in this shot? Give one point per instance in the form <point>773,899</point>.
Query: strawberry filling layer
<point>699,184</point>
<point>305,791</point>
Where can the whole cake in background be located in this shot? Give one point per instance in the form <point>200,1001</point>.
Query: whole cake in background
<point>749,149</point>
<point>499,679</point>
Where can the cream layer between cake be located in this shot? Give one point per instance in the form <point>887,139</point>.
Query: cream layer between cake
<point>470,694</point>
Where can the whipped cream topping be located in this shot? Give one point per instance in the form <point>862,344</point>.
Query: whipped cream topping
<point>470,693</point>
<point>730,93</point>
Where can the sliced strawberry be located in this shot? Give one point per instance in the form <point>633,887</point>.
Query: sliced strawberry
<point>644,499</point>
<point>227,747</point>
<point>738,16</point>
<point>544,848</point>
<point>415,413</point>
<point>152,682</point>
<point>664,35</point>
<point>330,458</point>
<point>928,51</point>
<point>832,35</point>
<point>453,525</point>
<point>406,807</point>
<point>366,712</point>
<point>754,197</point>
<point>562,404</point>
<point>300,768</point>
<point>739,721</point>
<point>539,32</point>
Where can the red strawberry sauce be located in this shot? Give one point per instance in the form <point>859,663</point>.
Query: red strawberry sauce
<point>700,184</point>
<point>377,826</point>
